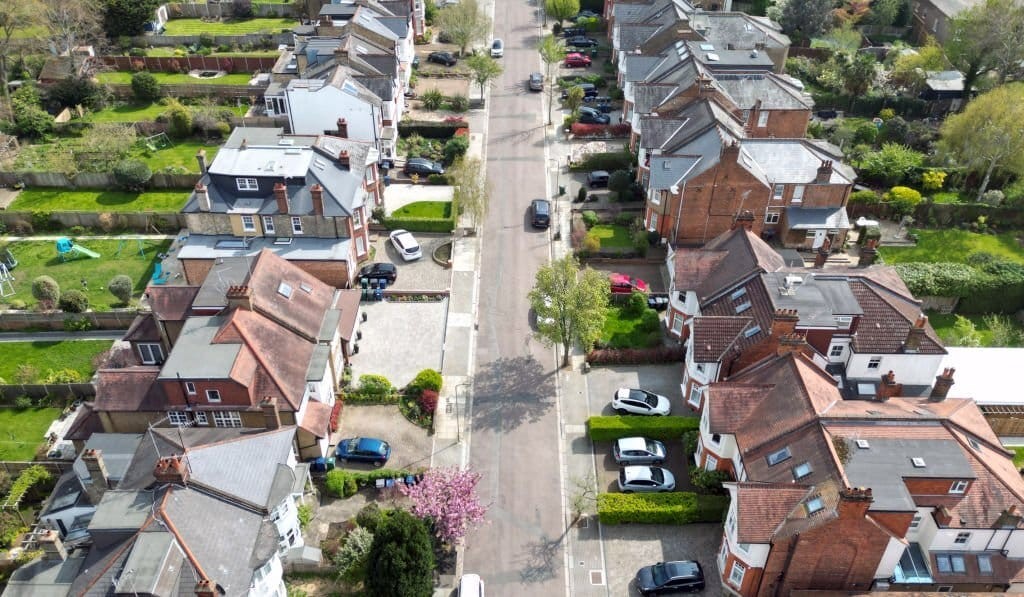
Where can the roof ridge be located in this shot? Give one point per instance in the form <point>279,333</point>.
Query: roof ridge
<point>166,519</point>
<point>238,438</point>
<point>259,357</point>
<point>127,544</point>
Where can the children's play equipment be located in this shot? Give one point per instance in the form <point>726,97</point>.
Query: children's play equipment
<point>159,275</point>
<point>6,281</point>
<point>66,246</point>
<point>7,258</point>
<point>124,243</point>
<point>157,142</point>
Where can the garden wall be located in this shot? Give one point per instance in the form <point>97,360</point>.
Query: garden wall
<point>93,180</point>
<point>177,90</point>
<point>168,222</point>
<point>13,321</point>
<point>168,64</point>
<point>141,41</point>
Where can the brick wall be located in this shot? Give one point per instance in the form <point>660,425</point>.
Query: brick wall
<point>232,393</point>
<point>334,273</point>
<point>782,124</point>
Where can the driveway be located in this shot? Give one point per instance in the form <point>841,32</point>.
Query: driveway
<point>652,273</point>
<point>424,273</point>
<point>400,339</point>
<point>410,445</point>
<point>628,547</point>
<point>660,379</point>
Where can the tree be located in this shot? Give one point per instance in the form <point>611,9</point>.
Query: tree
<point>573,100</point>
<point>964,333</point>
<point>552,52</point>
<point>857,71</point>
<point>1004,333</point>
<point>447,498</point>
<point>570,304</point>
<point>884,12</point>
<point>844,39</point>
<point>988,134</point>
<point>72,23</point>
<point>30,120</point>
<point>891,164</point>
<point>909,68</point>
<point>561,9</point>
<point>351,556</point>
<point>74,301</point>
<point>127,17</point>
<point>465,23</point>
<point>145,87</point>
<point>401,558</point>
<point>76,91</point>
<point>485,69</point>
<point>132,174</point>
<point>804,19</point>
<point>986,38</point>
<point>471,194</point>
<point>46,291</point>
<point>15,16</point>
<point>179,119</point>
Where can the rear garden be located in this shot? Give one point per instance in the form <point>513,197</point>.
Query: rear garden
<point>136,112</point>
<point>228,27</point>
<point>125,78</point>
<point>37,362</point>
<point>956,246</point>
<point>23,429</point>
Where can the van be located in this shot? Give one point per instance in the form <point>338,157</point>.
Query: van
<point>598,178</point>
<point>471,585</point>
<point>540,213</point>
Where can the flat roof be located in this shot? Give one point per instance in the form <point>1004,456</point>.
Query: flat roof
<point>985,374</point>
<point>210,246</point>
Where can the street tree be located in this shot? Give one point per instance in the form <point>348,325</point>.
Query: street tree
<point>21,15</point>
<point>552,53</point>
<point>988,134</point>
<point>485,69</point>
<point>561,9</point>
<point>804,19</point>
<point>72,23</point>
<point>986,39</point>
<point>471,194</point>
<point>401,558</point>
<point>574,99</point>
<point>465,23</point>
<point>570,305</point>
<point>447,499</point>
<point>126,17</point>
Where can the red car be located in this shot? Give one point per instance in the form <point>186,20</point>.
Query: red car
<point>623,284</point>
<point>576,59</point>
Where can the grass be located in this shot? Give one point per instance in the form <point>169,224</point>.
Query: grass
<point>441,210</point>
<point>955,246</point>
<point>176,53</point>
<point>23,429</point>
<point>947,197</point>
<point>620,330</point>
<point>143,113</point>
<point>123,77</point>
<point>1018,456</point>
<point>231,27</point>
<point>613,236</point>
<point>180,155</point>
<point>43,199</point>
<point>68,354</point>
<point>943,325</point>
<point>37,258</point>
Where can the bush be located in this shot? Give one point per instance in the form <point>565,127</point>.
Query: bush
<point>636,356</point>
<point>865,197</point>
<point>431,129</point>
<point>902,199</point>
<point>869,233</point>
<point>992,197</point>
<point>74,301</point>
<point>132,174</point>
<point>63,376</point>
<point>610,161</point>
<point>589,218</point>
<point>46,291</point>
<point>690,439</point>
<point>932,180</point>
<point>581,195</point>
<point>432,99</point>
<point>351,557</point>
<point>369,516</point>
<point>145,87</point>
<point>865,133</point>
<point>591,243</point>
<point>709,481</point>
<point>458,103</point>
<point>420,224</point>
<point>891,164</point>
<point>121,287</point>
<point>179,121</point>
<point>339,482</point>
<point>428,401</point>
<point>427,379</point>
<point>649,320</point>
<point>661,508</point>
<point>375,384</point>
<point>455,148</point>
<point>305,515</point>
<point>636,304</point>
<point>619,182</point>
<point>616,427</point>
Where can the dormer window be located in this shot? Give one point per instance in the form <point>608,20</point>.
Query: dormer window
<point>247,184</point>
<point>958,487</point>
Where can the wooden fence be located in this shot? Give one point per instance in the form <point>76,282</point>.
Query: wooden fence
<point>183,64</point>
<point>94,180</point>
<point>8,392</point>
<point>147,221</point>
<point>192,10</point>
<point>14,321</point>
<point>199,90</point>
<point>261,39</point>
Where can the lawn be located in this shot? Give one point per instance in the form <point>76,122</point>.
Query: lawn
<point>37,258</point>
<point>613,236</point>
<point>68,354</point>
<point>440,210</point>
<point>180,155</point>
<point>955,246</point>
<point>623,331</point>
<point>232,27</point>
<point>43,199</point>
<point>1018,456</point>
<point>179,53</point>
<point>943,325</point>
<point>23,429</point>
<point>122,77</point>
<point>143,113</point>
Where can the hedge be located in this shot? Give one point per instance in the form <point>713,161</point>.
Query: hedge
<point>998,288</point>
<point>420,224</point>
<point>663,428</point>
<point>610,161</point>
<point>337,479</point>
<point>573,80</point>
<point>429,129</point>
<point>360,397</point>
<point>636,356</point>
<point>677,507</point>
<point>604,131</point>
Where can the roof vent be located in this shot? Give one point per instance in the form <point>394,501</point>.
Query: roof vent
<point>917,462</point>
<point>863,444</point>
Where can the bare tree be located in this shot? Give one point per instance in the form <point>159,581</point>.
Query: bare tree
<point>72,23</point>
<point>16,16</point>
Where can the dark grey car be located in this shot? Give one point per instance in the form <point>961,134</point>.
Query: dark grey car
<point>536,82</point>
<point>423,167</point>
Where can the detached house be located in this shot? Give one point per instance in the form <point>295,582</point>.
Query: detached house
<point>202,512</point>
<point>307,198</point>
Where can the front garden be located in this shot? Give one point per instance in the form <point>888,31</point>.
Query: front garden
<point>631,325</point>
<point>45,362</point>
<point>425,209</point>
<point>601,234</point>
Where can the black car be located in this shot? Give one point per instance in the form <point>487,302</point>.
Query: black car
<point>592,116</point>
<point>422,166</point>
<point>581,41</point>
<point>540,213</point>
<point>379,271</point>
<point>586,14</point>
<point>573,32</point>
<point>589,91</point>
<point>684,576</point>
<point>445,58</point>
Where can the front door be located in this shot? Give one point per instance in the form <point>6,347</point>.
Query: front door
<point>819,238</point>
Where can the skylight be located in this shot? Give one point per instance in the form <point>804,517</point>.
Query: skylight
<point>738,293</point>
<point>752,331</point>
<point>713,57</point>
<point>306,288</point>
<point>707,47</point>
<point>917,462</point>
<point>863,444</point>
<point>815,505</point>
<point>742,307</point>
<point>285,290</point>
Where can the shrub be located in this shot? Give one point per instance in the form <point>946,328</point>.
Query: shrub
<point>870,233</point>
<point>649,320</point>
<point>661,508</point>
<point>865,133</point>
<point>369,516</point>
<point>902,199</point>
<point>992,197</point>
<point>589,218</point>
<point>619,181</point>
<point>339,482</point>
<point>432,99</point>
<point>866,197</point>
<point>431,129</point>
<point>690,439</point>
<point>179,120</point>
<point>437,179</point>
<point>636,356</point>
<point>591,243</point>
<point>891,164</point>
<point>581,195</point>
<point>351,557</point>
<point>709,481</point>
<point>427,379</point>
<point>74,301</point>
<point>305,515</point>
<point>610,161</point>
<point>63,376</point>
<point>11,527</point>
<point>635,305</point>
<point>455,148</point>
<point>132,174</point>
<point>370,383</point>
<point>458,103</point>
<point>26,374</point>
<point>428,401</point>
<point>145,87</point>
<point>121,287</point>
<point>579,129</point>
<point>616,427</point>
<point>46,291</point>
<point>932,180</point>
<point>420,224</point>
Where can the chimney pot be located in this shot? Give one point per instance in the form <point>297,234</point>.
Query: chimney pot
<point>201,159</point>
<point>97,469</point>
<point>206,588</point>
<point>868,253</point>
<point>202,197</point>
<point>943,383</point>
<point>281,196</point>
<point>888,387</point>
<point>171,469</point>
<point>342,128</point>
<point>745,218</point>
<point>239,296</point>
<point>343,157</point>
<point>915,335</point>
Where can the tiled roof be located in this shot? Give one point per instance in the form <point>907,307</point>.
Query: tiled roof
<point>713,336</point>
<point>348,304</point>
<point>810,446</point>
<point>760,310</point>
<point>129,389</point>
<point>887,319</point>
<point>762,506</point>
<point>303,310</point>
<point>143,329</point>
<point>86,422</point>
<point>171,303</point>
<point>317,419</point>
<point>745,254</point>
<point>693,266</point>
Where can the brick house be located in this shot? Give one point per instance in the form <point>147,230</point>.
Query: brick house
<point>835,494</point>
<point>307,198</point>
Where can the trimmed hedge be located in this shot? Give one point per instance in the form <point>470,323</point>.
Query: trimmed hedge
<point>995,288</point>
<point>430,129</point>
<point>360,397</point>
<point>337,480</point>
<point>677,507</point>
<point>663,428</point>
<point>610,161</point>
<point>420,224</point>
<point>636,356</point>
<point>578,129</point>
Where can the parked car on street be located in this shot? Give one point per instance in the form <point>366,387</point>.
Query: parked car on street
<point>592,116</point>
<point>536,82</point>
<point>575,59</point>
<point>646,479</point>
<point>540,213</point>
<point>623,284</point>
<point>570,32</point>
<point>379,271</point>
<point>422,166</point>
<point>406,245</point>
<point>638,450</point>
<point>683,576</point>
<point>497,48</point>
<point>445,58</point>
<point>363,449</point>
<point>634,401</point>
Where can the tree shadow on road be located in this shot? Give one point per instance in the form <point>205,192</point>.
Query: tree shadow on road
<point>511,391</point>
<point>542,559</point>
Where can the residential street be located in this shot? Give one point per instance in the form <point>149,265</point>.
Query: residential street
<point>515,439</point>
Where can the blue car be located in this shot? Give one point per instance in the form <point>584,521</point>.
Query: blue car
<point>363,449</point>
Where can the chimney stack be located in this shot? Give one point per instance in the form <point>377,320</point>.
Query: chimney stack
<point>745,219</point>
<point>343,157</point>
<point>271,415</point>
<point>790,343</point>
<point>281,196</point>
<point>915,334</point>
<point>317,193</point>
<point>823,252</point>
<point>824,174</point>
<point>731,153</point>
<point>943,382</point>
<point>943,516</point>
<point>51,545</point>
<point>888,387</point>
<point>854,502</point>
<point>868,253</point>
<point>784,322</point>
<point>93,460</point>
<point>342,128</point>
<point>171,469</point>
<point>244,144</point>
<point>201,158</point>
<point>202,197</point>
<point>206,588</point>
<point>239,296</point>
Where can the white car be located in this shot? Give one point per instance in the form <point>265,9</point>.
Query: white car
<point>497,48</point>
<point>631,401</point>
<point>406,245</point>
<point>645,479</point>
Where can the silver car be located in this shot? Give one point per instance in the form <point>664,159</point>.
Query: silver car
<point>536,82</point>
<point>638,450</point>
<point>645,479</point>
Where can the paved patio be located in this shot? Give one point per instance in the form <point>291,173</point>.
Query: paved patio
<point>400,339</point>
<point>424,274</point>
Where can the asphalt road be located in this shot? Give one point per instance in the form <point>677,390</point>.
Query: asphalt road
<point>515,435</point>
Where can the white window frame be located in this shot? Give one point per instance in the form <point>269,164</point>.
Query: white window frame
<point>762,119</point>
<point>772,217</point>
<point>778,456</point>
<point>227,418</point>
<point>296,225</point>
<point>177,418</point>
<point>958,487</point>
<point>247,184</point>
<point>213,395</point>
<point>248,223</point>
<point>736,574</point>
<point>778,190</point>
<point>677,324</point>
<point>987,568</point>
<point>201,418</point>
<point>710,462</point>
<point>268,225</point>
<point>653,222</point>
<point>357,218</point>
<point>798,194</point>
<point>875,363</point>
<point>360,246</point>
<point>695,392</point>
<point>836,350</point>
<point>962,538</point>
<point>190,388</point>
<point>155,351</point>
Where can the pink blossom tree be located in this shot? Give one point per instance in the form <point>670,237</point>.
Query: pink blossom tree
<point>448,498</point>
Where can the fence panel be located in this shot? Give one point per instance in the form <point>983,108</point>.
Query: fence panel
<point>179,64</point>
<point>187,40</point>
<point>106,320</point>
<point>8,392</point>
<point>166,222</point>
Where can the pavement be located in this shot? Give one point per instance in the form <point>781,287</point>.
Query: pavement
<point>400,339</point>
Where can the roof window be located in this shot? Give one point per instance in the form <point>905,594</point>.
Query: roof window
<point>740,308</point>
<point>285,290</point>
<point>752,331</point>
<point>917,462</point>
<point>306,288</point>
<point>863,444</point>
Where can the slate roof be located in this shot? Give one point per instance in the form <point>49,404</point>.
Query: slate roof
<point>117,450</point>
<point>229,467</point>
<point>774,92</point>
<point>741,30</point>
<point>632,35</point>
<point>669,170</point>
<point>794,161</point>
